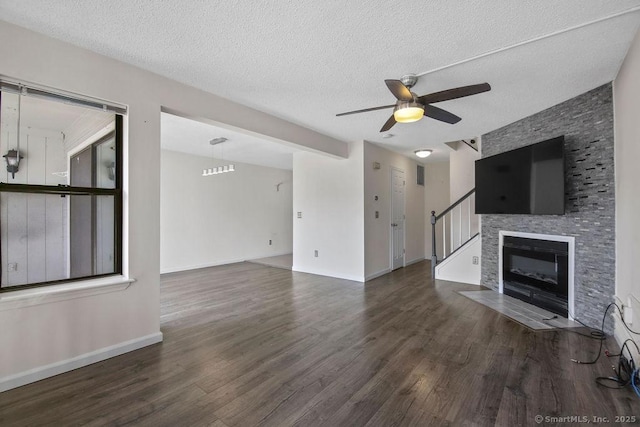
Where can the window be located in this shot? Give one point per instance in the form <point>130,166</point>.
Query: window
<point>61,193</point>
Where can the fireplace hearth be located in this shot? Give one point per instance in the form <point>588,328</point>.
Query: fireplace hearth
<point>537,271</point>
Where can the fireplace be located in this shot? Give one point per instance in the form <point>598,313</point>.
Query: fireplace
<point>538,269</point>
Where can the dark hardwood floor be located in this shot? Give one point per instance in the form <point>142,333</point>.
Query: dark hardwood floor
<point>249,345</point>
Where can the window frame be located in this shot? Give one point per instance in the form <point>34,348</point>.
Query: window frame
<point>68,190</point>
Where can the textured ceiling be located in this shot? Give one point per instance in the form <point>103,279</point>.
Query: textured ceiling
<point>305,60</point>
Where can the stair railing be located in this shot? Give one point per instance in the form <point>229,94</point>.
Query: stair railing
<point>459,226</point>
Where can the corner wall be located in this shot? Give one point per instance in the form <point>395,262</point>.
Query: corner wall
<point>626,95</point>
<point>329,194</point>
<point>221,219</point>
<point>377,231</point>
<point>462,180</point>
<point>586,121</point>
<point>462,167</point>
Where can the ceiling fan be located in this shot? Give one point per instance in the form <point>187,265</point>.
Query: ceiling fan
<point>410,107</point>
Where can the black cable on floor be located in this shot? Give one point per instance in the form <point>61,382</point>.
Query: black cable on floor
<point>596,334</point>
<point>626,370</point>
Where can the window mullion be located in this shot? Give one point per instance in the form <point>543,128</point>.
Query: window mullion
<point>63,190</point>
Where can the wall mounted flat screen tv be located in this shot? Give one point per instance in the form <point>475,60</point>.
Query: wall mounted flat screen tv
<point>528,180</point>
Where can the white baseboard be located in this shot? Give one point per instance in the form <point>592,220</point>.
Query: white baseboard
<point>388,270</point>
<point>377,274</point>
<point>197,266</point>
<point>219,262</point>
<point>360,279</point>
<point>40,373</point>
<point>414,261</point>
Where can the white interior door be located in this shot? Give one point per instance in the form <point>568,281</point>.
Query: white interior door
<point>397,218</point>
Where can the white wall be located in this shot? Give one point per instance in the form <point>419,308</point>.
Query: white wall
<point>436,198</point>
<point>337,202</point>
<point>462,171</point>
<point>329,195</point>
<point>222,218</point>
<point>459,267</point>
<point>462,180</point>
<point>54,331</point>
<point>377,231</point>
<point>626,95</point>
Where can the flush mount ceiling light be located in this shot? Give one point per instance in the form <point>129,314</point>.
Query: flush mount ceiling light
<point>423,153</point>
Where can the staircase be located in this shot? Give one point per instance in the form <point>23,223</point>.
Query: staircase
<point>458,225</point>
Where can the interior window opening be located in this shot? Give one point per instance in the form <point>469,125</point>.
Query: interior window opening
<point>60,189</point>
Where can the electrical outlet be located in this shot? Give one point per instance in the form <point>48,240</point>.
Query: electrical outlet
<point>377,214</point>
<point>299,214</point>
<point>475,260</point>
<point>12,266</point>
<point>269,242</point>
<point>316,253</point>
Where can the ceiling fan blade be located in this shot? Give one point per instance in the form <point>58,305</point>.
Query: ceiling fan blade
<point>454,93</point>
<point>388,124</point>
<point>440,114</point>
<point>399,90</point>
<point>366,110</point>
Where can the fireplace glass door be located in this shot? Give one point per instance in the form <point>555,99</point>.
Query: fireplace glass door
<point>536,271</point>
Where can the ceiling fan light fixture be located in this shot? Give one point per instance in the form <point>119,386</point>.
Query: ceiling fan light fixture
<point>423,153</point>
<point>408,111</point>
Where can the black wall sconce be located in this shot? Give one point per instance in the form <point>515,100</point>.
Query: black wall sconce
<point>111,171</point>
<point>13,158</point>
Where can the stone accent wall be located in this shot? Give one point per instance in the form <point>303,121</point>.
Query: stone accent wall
<point>587,125</point>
